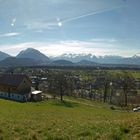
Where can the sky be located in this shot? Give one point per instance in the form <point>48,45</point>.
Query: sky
<point>55,27</point>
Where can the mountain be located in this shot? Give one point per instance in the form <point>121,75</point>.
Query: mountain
<point>136,55</point>
<point>3,55</point>
<point>107,59</point>
<point>61,63</point>
<point>35,57</point>
<point>13,61</point>
<point>86,63</point>
<point>89,57</point>
<point>75,57</point>
<point>135,60</point>
<point>33,54</point>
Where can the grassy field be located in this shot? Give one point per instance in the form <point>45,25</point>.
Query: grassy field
<point>70,120</point>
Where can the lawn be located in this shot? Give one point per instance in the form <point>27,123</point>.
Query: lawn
<point>136,74</point>
<point>69,120</point>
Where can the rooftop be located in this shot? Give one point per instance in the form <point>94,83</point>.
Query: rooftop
<point>12,79</point>
<point>36,92</point>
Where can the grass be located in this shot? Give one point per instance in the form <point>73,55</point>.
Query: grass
<point>68,120</point>
<point>135,74</point>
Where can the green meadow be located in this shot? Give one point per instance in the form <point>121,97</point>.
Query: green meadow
<point>73,119</point>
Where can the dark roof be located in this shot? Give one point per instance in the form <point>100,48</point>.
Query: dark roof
<point>12,79</point>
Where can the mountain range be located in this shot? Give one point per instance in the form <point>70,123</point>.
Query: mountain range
<point>3,55</point>
<point>33,57</point>
<point>107,59</point>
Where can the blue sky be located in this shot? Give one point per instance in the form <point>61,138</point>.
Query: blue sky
<point>100,27</point>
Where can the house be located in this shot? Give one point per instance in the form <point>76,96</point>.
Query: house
<point>15,86</point>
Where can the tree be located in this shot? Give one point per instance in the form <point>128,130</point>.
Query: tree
<point>62,83</point>
<point>90,92</point>
<point>111,92</point>
<point>105,91</point>
<point>57,83</point>
<point>52,89</point>
<point>127,84</point>
<point>102,84</point>
<point>37,84</point>
<point>70,84</point>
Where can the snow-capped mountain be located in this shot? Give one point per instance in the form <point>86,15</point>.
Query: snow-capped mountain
<point>37,58</point>
<point>136,55</point>
<point>107,59</point>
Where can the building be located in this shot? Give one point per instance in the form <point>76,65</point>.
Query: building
<point>36,95</point>
<point>15,86</point>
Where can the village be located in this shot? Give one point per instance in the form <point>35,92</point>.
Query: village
<point>69,69</point>
<point>37,84</point>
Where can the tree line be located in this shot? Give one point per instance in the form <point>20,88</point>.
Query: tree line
<point>107,87</point>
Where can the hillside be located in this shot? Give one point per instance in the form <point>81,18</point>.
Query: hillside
<point>74,119</point>
<point>86,63</point>
<point>61,63</point>
<point>13,61</point>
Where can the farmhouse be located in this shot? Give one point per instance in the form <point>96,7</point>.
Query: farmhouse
<point>15,86</point>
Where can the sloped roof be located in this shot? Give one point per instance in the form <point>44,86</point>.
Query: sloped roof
<point>12,79</point>
<point>36,92</point>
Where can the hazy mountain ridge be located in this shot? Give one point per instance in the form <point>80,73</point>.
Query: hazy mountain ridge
<point>86,63</point>
<point>107,59</point>
<point>32,56</point>
<point>3,55</point>
<point>13,61</point>
<point>61,62</point>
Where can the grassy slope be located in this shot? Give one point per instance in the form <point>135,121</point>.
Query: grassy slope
<point>57,121</point>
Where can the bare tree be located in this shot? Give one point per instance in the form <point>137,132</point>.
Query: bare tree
<point>105,91</point>
<point>127,84</point>
<point>57,83</point>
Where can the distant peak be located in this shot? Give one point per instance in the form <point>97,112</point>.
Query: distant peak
<point>30,49</point>
<point>136,55</point>
<point>32,53</point>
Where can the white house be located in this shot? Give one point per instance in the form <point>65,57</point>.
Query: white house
<point>15,86</point>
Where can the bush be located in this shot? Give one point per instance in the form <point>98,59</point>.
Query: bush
<point>112,108</point>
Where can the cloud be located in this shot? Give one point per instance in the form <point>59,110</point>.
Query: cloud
<point>92,13</point>
<point>56,48</point>
<point>105,40</point>
<point>39,25</point>
<point>55,21</point>
<point>10,34</point>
